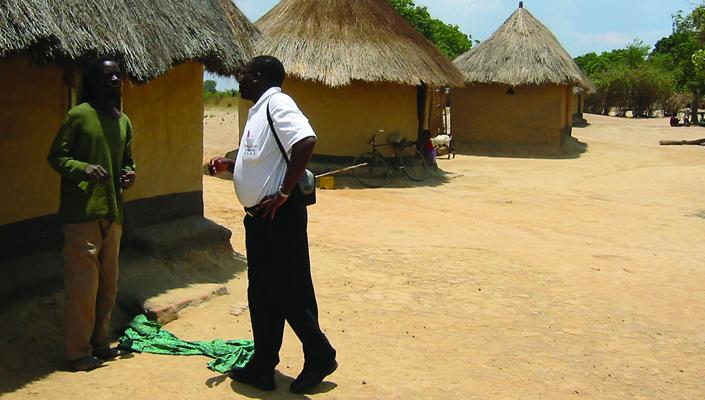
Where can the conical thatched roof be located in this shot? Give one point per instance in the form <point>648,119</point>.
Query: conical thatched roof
<point>338,41</point>
<point>148,37</point>
<point>521,52</point>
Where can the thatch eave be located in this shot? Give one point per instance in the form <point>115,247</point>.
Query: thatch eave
<point>336,42</point>
<point>522,52</point>
<point>147,37</point>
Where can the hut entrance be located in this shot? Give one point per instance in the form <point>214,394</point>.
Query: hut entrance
<point>439,113</point>
<point>421,102</point>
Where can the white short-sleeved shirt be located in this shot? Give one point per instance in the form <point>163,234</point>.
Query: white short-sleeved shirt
<point>260,167</point>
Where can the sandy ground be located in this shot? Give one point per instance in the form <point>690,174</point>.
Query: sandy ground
<point>517,278</point>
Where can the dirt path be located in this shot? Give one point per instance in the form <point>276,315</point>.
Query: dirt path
<point>518,279</point>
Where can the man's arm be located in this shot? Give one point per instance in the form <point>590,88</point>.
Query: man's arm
<point>60,158</point>
<point>301,154</point>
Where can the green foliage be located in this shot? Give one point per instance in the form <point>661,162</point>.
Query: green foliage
<point>630,78</point>
<point>675,54</point>
<point>683,53</point>
<point>226,98</point>
<point>627,79</point>
<point>209,86</point>
<point>632,56</point>
<point>699,63</point>
<point>448,38</point>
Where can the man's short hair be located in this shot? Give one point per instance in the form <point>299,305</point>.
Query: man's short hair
<point>93,69</point>
<point>271,70</point>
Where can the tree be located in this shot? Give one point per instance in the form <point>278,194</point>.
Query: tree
<point>209,86</point>
<point>628,79</point>
<point>681,54</point>
<point>647,86</point>
<point>448,38</point>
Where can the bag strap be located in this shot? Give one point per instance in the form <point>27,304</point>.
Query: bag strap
<point>274,131</point>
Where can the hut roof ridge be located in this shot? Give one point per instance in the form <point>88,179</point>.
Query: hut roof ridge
<point>338,41</point>
<point>148,37</point>
<point>522,51</point>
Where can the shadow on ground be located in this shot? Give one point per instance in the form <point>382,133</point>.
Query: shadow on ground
<point>434,176</point>
<point>571,148</point>
<point>31,328</point>
<point>281,392</point>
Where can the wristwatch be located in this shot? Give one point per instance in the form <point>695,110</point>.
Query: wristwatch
<point>282,194</point>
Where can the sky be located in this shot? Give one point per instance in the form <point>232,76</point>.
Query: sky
<point>582,26</point>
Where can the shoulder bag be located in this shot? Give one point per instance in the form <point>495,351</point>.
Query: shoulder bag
<point>307,183</point>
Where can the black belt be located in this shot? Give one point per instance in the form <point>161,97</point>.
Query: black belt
<point>251,211</point>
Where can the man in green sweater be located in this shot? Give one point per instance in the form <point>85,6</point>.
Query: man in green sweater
<point>92,153</point>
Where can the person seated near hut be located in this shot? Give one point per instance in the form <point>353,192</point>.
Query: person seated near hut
<point>686,121</point>
<point>674,121</point>
<point>427,148</point>
<point>92,153</point>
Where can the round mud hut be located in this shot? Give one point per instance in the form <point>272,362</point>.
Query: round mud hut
<point>353,67</point>
<point>519,90</point>
<point>162,47</point>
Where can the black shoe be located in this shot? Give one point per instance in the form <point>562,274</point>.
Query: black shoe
<point>260,381</point>
<point>84,364</point>
<point>310,377</point>
<point>106,353</point>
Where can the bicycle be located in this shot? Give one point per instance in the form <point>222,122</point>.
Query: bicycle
<point>376,172</point>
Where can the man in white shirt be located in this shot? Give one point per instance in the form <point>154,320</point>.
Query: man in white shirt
<point>279,276</point>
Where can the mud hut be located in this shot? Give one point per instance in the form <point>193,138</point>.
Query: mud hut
<point>519,89</point>
<point>354,67</point>
<point>577,104</point>
<point>162,47</point>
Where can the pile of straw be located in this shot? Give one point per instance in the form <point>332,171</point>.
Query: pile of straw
<point>522,52</point>
<point>147,37</point>
<point>336,42</point>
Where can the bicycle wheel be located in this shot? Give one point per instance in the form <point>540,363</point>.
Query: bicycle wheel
<point>413,163</point>
<point>375,174</point>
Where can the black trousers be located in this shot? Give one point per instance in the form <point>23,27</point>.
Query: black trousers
<point>280,287</point>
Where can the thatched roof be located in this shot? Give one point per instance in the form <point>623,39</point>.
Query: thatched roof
<point>148,37</point>
<point>521,52</point>
<point>339,41</point>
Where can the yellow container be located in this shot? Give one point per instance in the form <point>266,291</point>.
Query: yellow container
<point>326,182</point>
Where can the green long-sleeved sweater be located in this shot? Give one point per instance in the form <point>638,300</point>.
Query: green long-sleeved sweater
<point>86,137</point>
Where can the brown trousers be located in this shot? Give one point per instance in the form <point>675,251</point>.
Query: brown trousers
<point>90,273</point>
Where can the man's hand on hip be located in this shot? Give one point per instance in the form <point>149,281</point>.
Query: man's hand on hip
<point>269,206</point>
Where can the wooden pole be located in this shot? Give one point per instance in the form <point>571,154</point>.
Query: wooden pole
<point>696,142</point>
<point>337,171</point>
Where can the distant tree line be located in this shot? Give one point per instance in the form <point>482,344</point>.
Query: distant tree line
<point>213,97</point>
<point>448,38</point>
<point>210,89</point>
<point>668,77</point>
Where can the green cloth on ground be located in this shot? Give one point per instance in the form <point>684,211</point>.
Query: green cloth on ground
<point>145,336</point>
<point>88,137</point>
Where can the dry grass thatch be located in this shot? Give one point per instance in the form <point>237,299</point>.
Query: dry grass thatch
<point>522,52</point>
<point>148,37</point>
<point>338,41</point>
